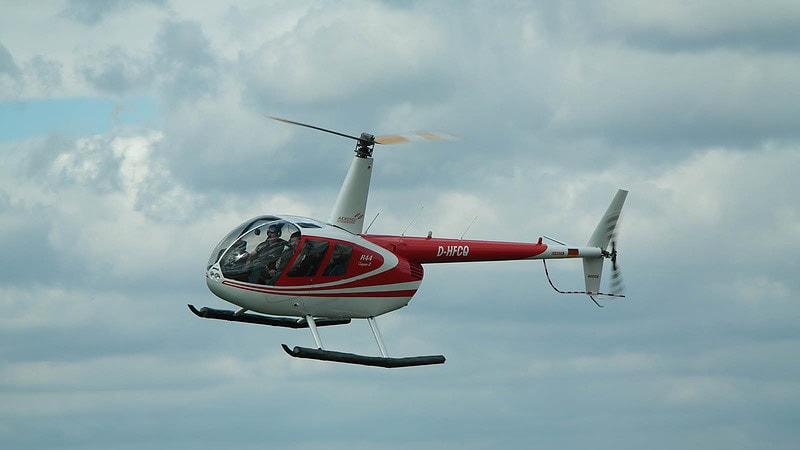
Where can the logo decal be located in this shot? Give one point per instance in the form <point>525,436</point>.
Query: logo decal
<point>350,220</point>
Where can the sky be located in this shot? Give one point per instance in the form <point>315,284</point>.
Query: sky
<point>133,138</point>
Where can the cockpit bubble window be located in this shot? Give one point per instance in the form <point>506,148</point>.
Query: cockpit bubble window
<point>235,233</point>
<point>309,259</point>
<point>261,253</point>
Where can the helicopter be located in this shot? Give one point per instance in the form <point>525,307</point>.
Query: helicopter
<point>299,272</point>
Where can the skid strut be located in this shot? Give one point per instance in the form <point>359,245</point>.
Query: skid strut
<point>384,360</point>
<point>378,338</point>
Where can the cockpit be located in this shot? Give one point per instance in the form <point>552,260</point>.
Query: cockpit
<point>262,250</point>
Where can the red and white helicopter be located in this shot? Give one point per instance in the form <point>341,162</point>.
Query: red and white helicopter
<point>298,272</point>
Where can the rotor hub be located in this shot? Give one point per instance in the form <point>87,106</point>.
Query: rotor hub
<point>365,145</point>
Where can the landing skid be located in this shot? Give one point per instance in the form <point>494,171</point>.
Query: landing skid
<point>321,354</point>
<point>351,358</point>
<point>260,319</point>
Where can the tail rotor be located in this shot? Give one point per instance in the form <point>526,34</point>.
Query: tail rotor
<point>617,286</point>
<point>604,236</point>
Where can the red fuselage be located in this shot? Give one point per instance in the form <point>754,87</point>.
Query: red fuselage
<point>296,266</point>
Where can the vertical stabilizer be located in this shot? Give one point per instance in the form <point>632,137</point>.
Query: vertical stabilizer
<point>351,204</point>
<point>605,228</point>
<point>593,267</point>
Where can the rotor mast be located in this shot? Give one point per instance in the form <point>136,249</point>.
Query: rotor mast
<point>351,203</point>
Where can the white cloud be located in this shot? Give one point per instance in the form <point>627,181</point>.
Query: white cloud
<point>106,236</point>
<point>326,58</point>
<point>725,200</point>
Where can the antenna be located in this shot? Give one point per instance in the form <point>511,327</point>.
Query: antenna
<point>412,221</point>
<point>468,227</point>
<point>370,224</point>
<point>551,239</point>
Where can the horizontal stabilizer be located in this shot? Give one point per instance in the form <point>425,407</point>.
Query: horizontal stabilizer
<point>260,319</point>
<point>351,358</point>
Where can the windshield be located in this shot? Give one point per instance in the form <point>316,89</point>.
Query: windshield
<point>261,253</point>
<point>235,233</point>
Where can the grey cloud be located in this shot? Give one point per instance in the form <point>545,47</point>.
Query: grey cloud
<point>700,26</point>
<point>118,73</point>
<point>10,74</point>
<point>30,257</point>
<point>182,44</point>
<point>7,64</point>
<point>92,12</point>
<point>47,73</point>
<point>187,68</point>
<point>774,39</point>
<point>39,71</point>
<point>181,66</point>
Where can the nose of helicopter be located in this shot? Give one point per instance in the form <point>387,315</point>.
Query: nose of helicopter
<point>213,275</point>
<point>214,282</point>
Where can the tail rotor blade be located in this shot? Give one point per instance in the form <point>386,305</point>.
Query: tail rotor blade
<point>616,278</point>
<point>617,286</point>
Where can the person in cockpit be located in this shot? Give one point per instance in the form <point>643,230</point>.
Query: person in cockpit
<point>266,255</point>
<point>339,259</point>
<point>286,256</point>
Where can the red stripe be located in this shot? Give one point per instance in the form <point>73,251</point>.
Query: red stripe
<point>321,292</point>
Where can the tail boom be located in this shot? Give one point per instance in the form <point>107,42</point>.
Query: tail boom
<point>434,250</point>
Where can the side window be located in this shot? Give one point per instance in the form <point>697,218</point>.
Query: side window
<point>308,261</point>
<point>339,261</point>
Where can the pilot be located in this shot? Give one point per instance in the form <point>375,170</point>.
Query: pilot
<point>266,254</point>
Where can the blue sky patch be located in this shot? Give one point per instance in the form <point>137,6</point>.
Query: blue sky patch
<point>74,116</point>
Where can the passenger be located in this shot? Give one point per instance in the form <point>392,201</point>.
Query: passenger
<point>286,256</point>
<point>309,259</point>
<point>339,259</point>
<point>266,254</point>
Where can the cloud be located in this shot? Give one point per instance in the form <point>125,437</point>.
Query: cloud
<point>7,65</point>
<point>105,232</point>
<point>10,73</point>
<point>634,98</point>
<point>702,25</point>
<point>324,58</point>
<point>116,72</point>
<point>90,13</point>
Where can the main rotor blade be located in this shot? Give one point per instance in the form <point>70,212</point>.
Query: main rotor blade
<point>410,137</point>
<point>315,128</point>
<point>386,140</point>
